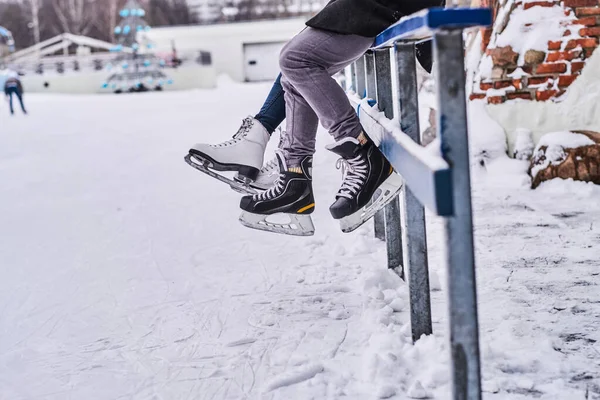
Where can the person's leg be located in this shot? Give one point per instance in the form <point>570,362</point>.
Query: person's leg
<point>307,63</point>
<point>10,101</point>
<point>272,113</point>
<point>20,97</point>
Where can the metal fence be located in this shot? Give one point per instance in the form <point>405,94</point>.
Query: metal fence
<point>387,74</point>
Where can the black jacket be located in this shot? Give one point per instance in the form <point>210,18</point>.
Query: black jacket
<point>13,83</point>
<point>366,17</point>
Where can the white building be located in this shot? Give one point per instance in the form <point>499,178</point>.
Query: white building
<point>246,51</point>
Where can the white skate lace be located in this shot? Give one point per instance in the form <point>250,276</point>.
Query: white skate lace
<point>354,173</point>
<point>270,166</point>
<point>271,193</point>
<point>241,133</point>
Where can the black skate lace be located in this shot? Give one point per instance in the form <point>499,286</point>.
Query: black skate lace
<point>271,193</point>
<point>354,173</point>
<point>241,133</point>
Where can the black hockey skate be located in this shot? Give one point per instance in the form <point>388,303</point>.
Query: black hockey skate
<point>286,207</point>
<point>369,182</point>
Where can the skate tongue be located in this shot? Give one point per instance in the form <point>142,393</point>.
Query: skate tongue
<point>281,160</point>
<point>345,148</point>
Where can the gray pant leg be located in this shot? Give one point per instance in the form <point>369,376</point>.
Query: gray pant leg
<point>307,64</point>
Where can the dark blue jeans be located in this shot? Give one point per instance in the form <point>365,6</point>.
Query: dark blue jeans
<point>13,90</point>
<point>272,113</point>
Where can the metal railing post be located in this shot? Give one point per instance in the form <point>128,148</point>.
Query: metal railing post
<point>353,78</point>
<point>361,76</point>
<point>414,232</point>
<point>371,92</point>
<point>391,213</point>
<point>462,296</point>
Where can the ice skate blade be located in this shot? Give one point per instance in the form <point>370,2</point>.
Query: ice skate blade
<point>386,192</point>
<point>253,184</point>
<point>299,225</point>
<point>204,166</point>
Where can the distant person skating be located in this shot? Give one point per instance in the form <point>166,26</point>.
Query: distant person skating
<point>13,86</point>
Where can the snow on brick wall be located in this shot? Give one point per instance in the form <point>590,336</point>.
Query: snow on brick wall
<point>536,49</point>
<point>579,108</point>
<point>537,69</point>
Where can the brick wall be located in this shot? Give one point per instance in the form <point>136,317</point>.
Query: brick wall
<point>542,75</point>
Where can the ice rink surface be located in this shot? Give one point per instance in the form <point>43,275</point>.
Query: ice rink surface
<point>124,273</point>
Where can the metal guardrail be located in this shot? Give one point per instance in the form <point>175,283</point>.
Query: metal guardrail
<point>441,182</point>
<point>100,60</point>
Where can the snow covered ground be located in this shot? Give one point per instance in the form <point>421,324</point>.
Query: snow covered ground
<point>124,273</point>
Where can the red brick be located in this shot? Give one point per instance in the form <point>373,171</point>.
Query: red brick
<point>503,56</point>
<point>477,96</point>
<point>566,80</point>
<point>537,80</point>
<point>486,85</point>
<point>568,12</point>
<point>580,3</point>
<point>588,42</point>
<point>589,52</point>
<point>502,84</point>
<point>587,21</point>
<point>518,83</point>
<point>582,12</point>
<point>486,36</point>
<point>518,95</point>
<point>567,33</point>
<point>528,69</point>
<point>554,45</point>
<point>495,99</point>
<point>563,55</point>
<point>551,68</point>
<point>545,94</point>
<point>594,31</point>
<point>577,66</point>
<point>538,3</point>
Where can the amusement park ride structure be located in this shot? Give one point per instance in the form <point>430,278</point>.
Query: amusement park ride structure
<point>7,43</point>
<point>130,65</point>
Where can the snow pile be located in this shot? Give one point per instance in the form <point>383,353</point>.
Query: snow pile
<point>555,144</point>
<point>524,145</point>
<point>390,360</point>
<point>566,140</point>
<point>487,140</point>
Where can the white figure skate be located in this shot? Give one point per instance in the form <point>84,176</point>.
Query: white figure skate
<point>244,153</point>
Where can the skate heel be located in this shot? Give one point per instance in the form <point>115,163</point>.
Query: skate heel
<point>384,194</point>
<point>248,174</point>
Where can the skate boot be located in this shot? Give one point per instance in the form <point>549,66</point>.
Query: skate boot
<point>244,153</point>
<point>267,175</point>
<point>270,170</point>
<point>369,182</point>
<point>285,207</point>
